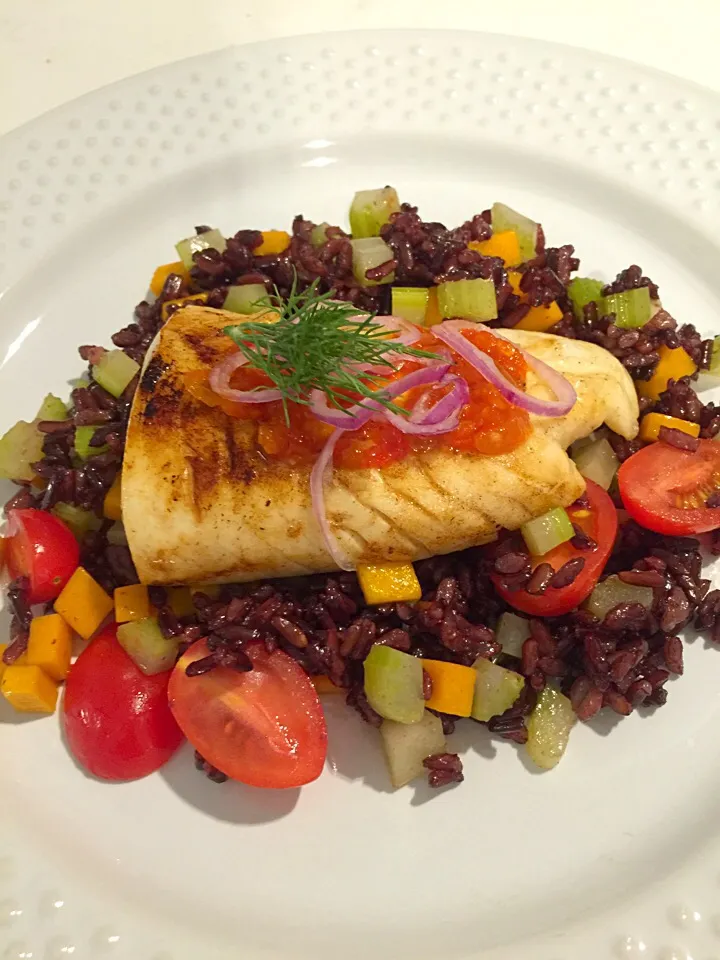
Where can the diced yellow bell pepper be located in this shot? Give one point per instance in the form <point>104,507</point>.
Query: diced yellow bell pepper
<point>388,582</point>
<point>163,272</point>
<point>540,318</point>
<point>514,278</point>
<point>324,684</point>
<point>28,689</point>
<point>274,241</point>
<point>432,311</point>
<point>651,423</point>
<point>3,666</point>
<point>83,604</point>
<point>50,645</point>
<point>673,365</point>
<point>113,498</point>
<point>504,245</point>
<point>181,602</point>
<point>194,298</point>
<point>453,687</point>
<point>131,603</point>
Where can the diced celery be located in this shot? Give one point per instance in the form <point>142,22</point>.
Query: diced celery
<point>613,591</point>
<point>710,378</point>
<point>471,299</point>
<point>511,633</point>
<point>582,291</point>
<point>52,408</point>
<point>394,684</point>
<point>496,689</point>
<point>410,303</point>
<point>211,239</point>
<point>114,371</point>
<point>367,254</point>
<point>116,534</point>
<point>144,643</point>
<point>407,745</point>
<point>318,235</point>
<point>505,218</point>
<point>632,308</point>
<point>80,521</point>
<point>549,728</point>
<point>597,461</point>
<point>19,447</point>
<point>83,436</point>
<point>548,531</point>
<point>371,210</point>
<point>246,298</point>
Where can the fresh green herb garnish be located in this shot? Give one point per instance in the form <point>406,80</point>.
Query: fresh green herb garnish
<point>316,345</point>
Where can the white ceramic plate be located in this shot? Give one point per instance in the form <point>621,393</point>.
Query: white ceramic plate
<point>615,854</point>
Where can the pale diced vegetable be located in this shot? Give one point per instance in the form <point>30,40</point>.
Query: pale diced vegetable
<point>394,684</point>
<point>505,218</point>
<point>511,633</point>
<point>144,643</point>
<point>410,303</point>
<point>80,521</point>
<point>371,210</point>
<point>19,447</point>
<point>549,728</point>
<point>367,254</point>
<point>468,299</point>
<point>114,371</point>
<point>547,532</point>
<point>246,298</point>
<point>83,448</point>
<point>407,745</point>
<point>318,235</point>
<point>52,408</point>
<point>582,291</point>
<point>116,534</point>
<point>707,379</point>
<point>632,308</point>
<point>613,591</point>
<point>496,689</point>
<point>211,239</point>
<point>596,461</point>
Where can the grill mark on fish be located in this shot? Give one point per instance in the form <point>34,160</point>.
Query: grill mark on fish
<point>152,374</point>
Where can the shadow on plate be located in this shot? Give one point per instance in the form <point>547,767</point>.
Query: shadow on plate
<point>354,747</point>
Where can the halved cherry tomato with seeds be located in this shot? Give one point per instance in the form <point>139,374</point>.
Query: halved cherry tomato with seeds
<point>43,549</point>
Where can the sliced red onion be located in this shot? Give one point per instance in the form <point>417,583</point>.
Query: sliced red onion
<point>450,333</point>
<point>428,414</point>
<point>405,332</point>
<point>220,382</point>
<point>318,476</point>
<point>405,425</point>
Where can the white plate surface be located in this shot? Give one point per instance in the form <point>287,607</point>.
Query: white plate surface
<point>616,854</point>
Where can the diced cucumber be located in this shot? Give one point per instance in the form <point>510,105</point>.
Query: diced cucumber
<point>549,728</point>
<point>710,378</point>
<point>367,254</point>
<point>632,308</point>
<point>496,689</point>
<point>505,218</point>
<point>371,209</point>
<point>511,633</point>
<point>116,534</point>
<point>52,408</point>
<point>211,239</point>
<point>318,235</point>
<point>471,299</point>
<point>144,643</point>
<point>547,532</point>
<point>394,684</point>
<point>582,291</point>
<point>114,371</point>
<point>83,436</point>
<point>407,745</point>
<point>612,591</point>
<point>80,521</point>
<point>19,447</point>
<point>597,461</point>
<point>246,298</point>
<point>410,303</point>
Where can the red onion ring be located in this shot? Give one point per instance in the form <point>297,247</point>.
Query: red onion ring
<point>450,333</point>
<point>454,400</point>
<point>220,382</point>
<point>318,476</point>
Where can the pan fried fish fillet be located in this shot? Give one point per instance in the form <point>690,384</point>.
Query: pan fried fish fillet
<point>200,504</point>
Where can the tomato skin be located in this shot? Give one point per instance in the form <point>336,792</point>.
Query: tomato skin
<point>602,526</point>
<point>117,721</point>
<point>265,727</point>
<point>652,481</point>
<point>43,549</point>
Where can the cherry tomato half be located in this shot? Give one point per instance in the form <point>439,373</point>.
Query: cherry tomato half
<point>600,522</point>
<point>264,727</point>
<point>117,721</point>
<point>665,489</point>
<point>41,548</point>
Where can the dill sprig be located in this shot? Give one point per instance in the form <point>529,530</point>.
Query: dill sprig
<point>315,345</point>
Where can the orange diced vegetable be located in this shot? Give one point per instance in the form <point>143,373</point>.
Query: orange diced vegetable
<point>182,301</point>
<point>514,278</point>
<point>673,365</point>
<point>112,502</point>
<point>504,245</point>
<point>50,645</point>
<point>432,311</point>
<point>163,272</point>
<point>28,689</point>
<point>131,603</point>
<point>274,241</point>
<point>83,604</point>
<point>324,684</point>
<point>651,423</point>
<point>388,582</point>
<point>453,687</point>
<point>181,602</point>
<point>540,318</point>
